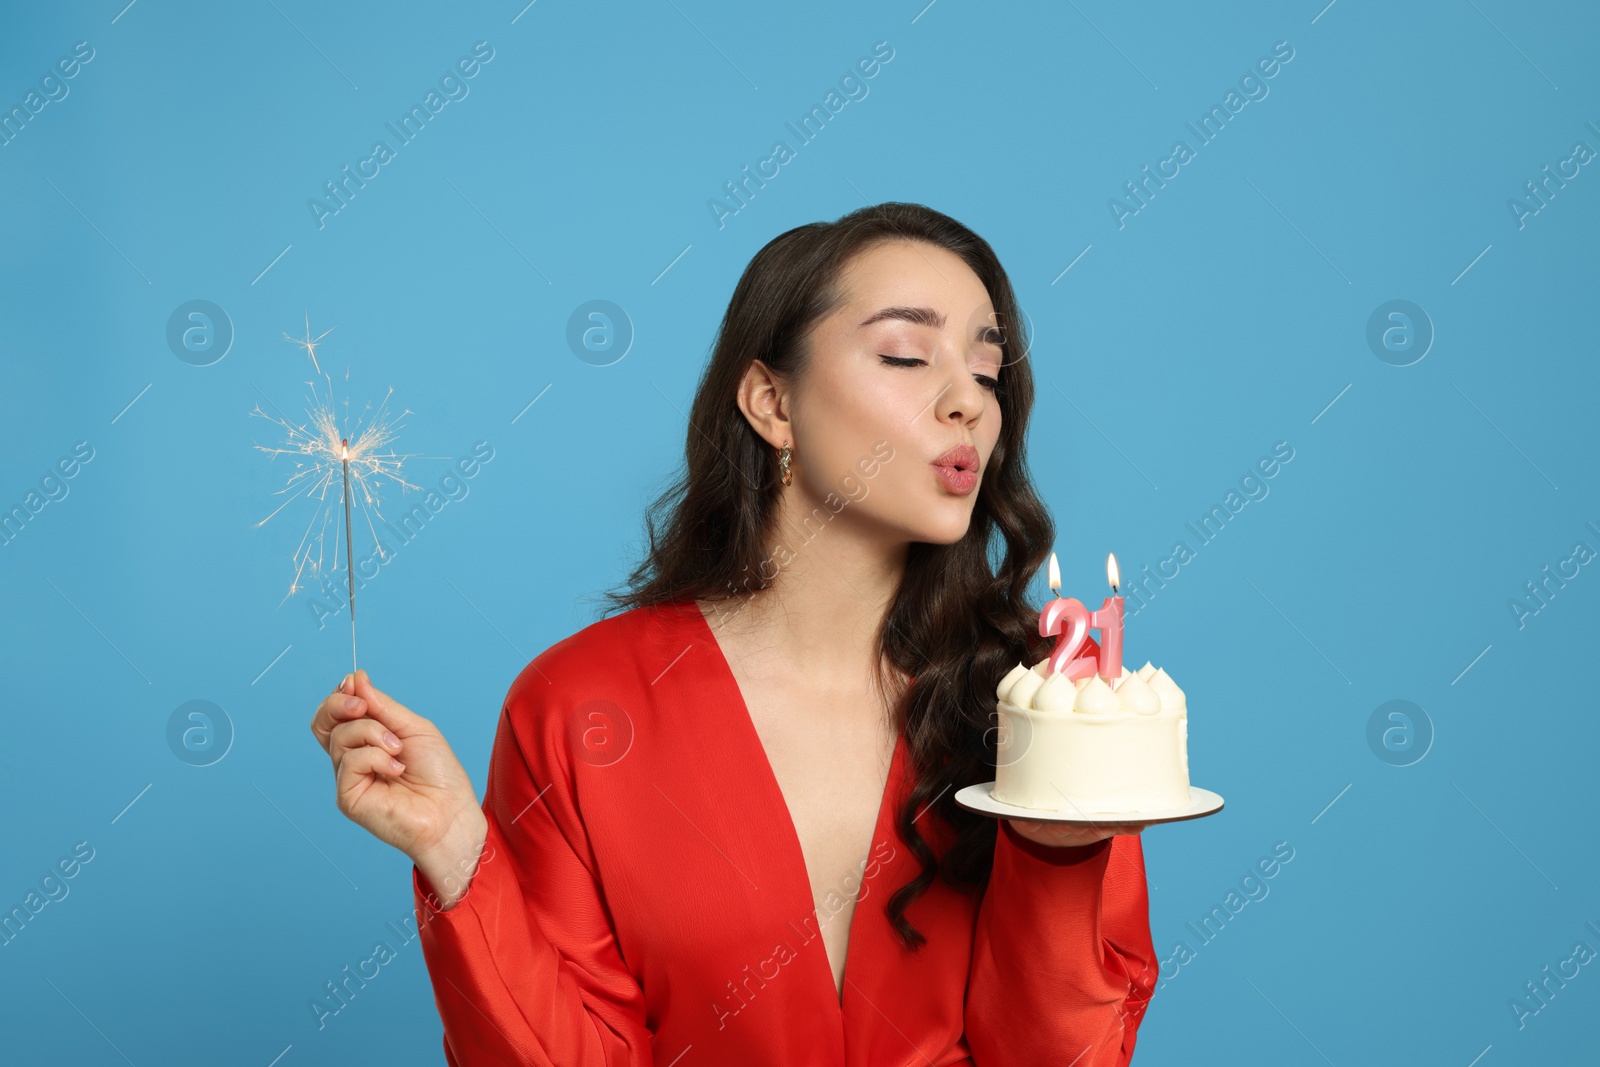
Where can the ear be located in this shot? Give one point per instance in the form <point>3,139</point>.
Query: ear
<point>764,399</point>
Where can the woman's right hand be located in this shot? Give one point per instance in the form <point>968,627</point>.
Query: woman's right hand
<point>396,777</point>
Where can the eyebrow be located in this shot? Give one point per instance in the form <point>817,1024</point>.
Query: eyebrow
<point>922,316</point>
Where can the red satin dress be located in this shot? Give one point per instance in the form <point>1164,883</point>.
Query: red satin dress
<point>643,899</point>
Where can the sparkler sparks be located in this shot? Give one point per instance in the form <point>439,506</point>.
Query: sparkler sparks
<point>324,457</point>
<point>310,344</point>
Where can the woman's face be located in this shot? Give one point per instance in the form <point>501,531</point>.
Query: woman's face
<point>899,375</point>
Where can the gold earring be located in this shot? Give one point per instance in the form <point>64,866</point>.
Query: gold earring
<point>783,463</point>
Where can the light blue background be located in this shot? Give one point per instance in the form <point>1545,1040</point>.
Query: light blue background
<point>1229,314</point>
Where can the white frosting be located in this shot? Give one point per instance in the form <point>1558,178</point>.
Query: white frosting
<point>1056,694</point>
<point>1172,698</point>
<point>1021,693</point>
<point>1095,698</point>
<point>1142,692</point>
<point>1136,696</point>
<point>1009,680</point>
<point>1085,747</point>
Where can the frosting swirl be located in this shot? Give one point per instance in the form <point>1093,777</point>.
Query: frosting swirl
<point>1147,691</point>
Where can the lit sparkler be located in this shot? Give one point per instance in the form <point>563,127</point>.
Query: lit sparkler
<point>360,461</point>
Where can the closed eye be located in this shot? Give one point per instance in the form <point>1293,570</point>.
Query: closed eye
<point>984,380</point>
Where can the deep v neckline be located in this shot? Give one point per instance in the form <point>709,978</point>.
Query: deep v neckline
<point>796,857</point>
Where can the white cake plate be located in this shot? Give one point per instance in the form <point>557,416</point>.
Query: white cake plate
<point>1202,802</point>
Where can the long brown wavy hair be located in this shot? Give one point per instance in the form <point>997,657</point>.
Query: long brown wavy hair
<point>959,620</point>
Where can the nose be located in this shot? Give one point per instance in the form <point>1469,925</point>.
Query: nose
<point>961,399</point>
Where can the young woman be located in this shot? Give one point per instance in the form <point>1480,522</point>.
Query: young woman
<point>718,825</point>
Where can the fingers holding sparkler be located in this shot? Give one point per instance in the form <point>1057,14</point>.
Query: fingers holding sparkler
<point>415,807</point>
<point>353,729</point>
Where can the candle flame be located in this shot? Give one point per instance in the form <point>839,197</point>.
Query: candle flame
<point>1112,574</point>
<point>1055,574</point>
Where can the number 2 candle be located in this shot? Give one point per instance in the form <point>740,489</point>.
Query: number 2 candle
<point>1071,622</point>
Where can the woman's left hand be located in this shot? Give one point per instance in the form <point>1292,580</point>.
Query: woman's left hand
<point>1068,834</point>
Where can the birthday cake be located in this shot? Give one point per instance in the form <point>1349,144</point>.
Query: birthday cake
<point>1086,747</point>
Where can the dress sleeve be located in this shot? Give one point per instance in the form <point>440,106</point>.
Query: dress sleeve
<point>525,966</point>
<point>1062,962</point>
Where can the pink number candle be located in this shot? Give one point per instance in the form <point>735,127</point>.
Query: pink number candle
<point>1108,620</point>
<point>1071,615</point>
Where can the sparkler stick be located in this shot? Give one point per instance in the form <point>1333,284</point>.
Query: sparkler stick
<point>349,549</point>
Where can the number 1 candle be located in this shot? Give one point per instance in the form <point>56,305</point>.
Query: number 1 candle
<point>1108,620</point>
